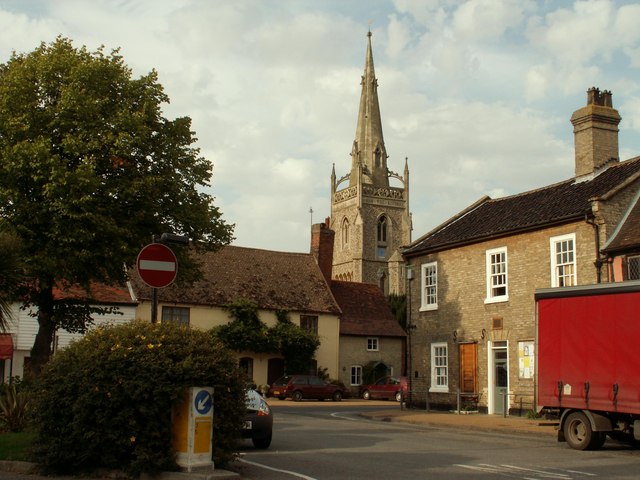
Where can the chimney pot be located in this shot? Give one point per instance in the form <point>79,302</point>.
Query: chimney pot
<point>595,130</point>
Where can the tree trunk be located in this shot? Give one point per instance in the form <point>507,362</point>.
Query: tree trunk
<point>42,346</point>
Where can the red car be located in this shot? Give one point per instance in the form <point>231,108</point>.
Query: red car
<point>300,387</point>
<point>386,388</point>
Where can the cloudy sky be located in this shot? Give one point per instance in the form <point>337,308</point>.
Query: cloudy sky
<point>476,94</point>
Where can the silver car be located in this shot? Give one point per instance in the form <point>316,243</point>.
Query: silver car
<point>258,421</point>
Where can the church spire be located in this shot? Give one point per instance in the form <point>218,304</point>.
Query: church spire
<point>368,146</point>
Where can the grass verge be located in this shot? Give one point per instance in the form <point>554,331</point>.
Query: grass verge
<point>15,446</point>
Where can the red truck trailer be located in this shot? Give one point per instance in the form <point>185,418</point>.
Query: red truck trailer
<point>588,362</point>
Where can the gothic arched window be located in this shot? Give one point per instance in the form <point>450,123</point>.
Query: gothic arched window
<point>377,157</point>
<point>345,233</point>
<point>381,246</point>
<point>382,229</point>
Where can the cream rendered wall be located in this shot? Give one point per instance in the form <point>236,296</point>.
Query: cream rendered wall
<point>205,318</point>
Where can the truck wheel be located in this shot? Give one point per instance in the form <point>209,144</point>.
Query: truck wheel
<point>366,395</point>
<point>297,396</point>
<point>578,433</point>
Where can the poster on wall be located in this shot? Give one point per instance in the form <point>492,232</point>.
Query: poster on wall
<point>525,359</point>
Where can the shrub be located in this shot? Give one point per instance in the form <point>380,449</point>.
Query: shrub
<point>14,403</point>
<point>105,402</point>
<point>246,332</point>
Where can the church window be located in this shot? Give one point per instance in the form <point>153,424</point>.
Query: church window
<point>345,233</point>
<point>382,229</point>
<point>377,157</point>
<point>381,235</point>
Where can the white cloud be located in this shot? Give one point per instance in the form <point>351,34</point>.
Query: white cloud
<point>477,94</point>
<point>487,19</point>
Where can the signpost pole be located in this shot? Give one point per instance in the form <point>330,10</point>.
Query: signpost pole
<point>154,305</point>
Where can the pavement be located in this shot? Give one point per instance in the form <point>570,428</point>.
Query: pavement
<point>438,419</point>
<point>395,413</point>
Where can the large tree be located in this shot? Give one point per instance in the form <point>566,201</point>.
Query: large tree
<point>10,273</point>
<point>90,169</point>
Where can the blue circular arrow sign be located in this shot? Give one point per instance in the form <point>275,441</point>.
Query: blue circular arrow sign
<point>203,402</point>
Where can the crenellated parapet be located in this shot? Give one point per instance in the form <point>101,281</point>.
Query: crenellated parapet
<point>383,192</point>
<point>369,191</point>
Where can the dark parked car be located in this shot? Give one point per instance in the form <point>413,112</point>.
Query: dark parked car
<point>258,422</point>
<point>300,387</point>
<point>386,388</point>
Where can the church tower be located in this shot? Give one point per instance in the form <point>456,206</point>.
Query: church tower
<point>370,217</point>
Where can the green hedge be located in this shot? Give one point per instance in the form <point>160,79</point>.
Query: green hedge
<point>106,400</point>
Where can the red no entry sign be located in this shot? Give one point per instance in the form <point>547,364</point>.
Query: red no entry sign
<point>157,265</point>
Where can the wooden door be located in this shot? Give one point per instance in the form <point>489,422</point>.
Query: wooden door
<point>468,354</point>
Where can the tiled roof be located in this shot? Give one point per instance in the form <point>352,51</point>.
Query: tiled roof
<point>365,310</point>
<point>627,235</point>
<point>97,293</point>
<point>272,280</point>
<point>555,204</point>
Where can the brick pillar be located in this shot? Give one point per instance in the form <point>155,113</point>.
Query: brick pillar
<point>322,247</point>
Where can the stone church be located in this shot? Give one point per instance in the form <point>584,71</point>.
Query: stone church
<point>371,217</point>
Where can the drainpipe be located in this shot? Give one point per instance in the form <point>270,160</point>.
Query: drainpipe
<point>590,218</point>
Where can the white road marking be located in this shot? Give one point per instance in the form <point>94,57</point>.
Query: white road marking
<point>288,472</point>
<point>521,472</point>
<point>540,472</point>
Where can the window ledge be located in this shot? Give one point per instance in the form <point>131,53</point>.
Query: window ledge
<point>429,308</point>
<point>502,299</point>
<point>439,390</point>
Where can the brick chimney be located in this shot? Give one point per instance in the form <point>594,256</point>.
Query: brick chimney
<point>322,247</point>
<point>595,131</point>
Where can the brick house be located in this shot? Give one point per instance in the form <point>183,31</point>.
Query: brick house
<point>622,250</point>
<point>273,281</point>
<point>372,342</point>
<point>475,275</point>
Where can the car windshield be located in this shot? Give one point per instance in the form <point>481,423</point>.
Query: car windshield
<point>253,400</point>
<point>282,380</point>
